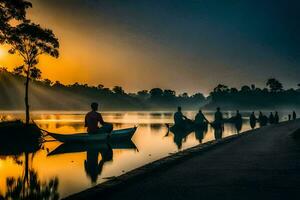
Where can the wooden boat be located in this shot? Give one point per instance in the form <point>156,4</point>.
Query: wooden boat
<point>122,134</point>
<point>92,146</point>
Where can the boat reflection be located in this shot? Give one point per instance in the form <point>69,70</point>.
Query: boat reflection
<point>92,166</point>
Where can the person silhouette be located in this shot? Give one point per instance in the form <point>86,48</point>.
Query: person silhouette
<point>218,122</point>
<point>200,120</point>
<point>179,119</point>
<point>276,118</point>
<point>294,115</point>
<point>271,118</point>
<point>93,118</point>
<point>252,120</point>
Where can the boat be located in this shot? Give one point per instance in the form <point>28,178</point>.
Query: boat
<point>116,135</point>
<point>92,146</point>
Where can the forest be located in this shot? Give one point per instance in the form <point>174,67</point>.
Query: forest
<point>48,95</point>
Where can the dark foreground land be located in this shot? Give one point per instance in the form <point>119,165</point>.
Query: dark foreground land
<point>261,164</point>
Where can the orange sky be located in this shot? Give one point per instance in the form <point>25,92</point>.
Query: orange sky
<point>188,46</point>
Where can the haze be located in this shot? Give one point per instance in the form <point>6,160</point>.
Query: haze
<point>183,45</point>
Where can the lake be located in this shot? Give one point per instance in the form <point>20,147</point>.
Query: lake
<point>70,170</point>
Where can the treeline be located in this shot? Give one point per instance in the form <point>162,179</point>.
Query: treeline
<point>45,94</point>
<point>273,96</point>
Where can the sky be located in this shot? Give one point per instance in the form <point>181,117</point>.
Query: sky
<point>185,45</point>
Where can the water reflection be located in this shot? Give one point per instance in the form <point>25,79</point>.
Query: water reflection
<point>92,166</point>
<point>27,185</point>
<point>78,167</point>
<point>30,188</point>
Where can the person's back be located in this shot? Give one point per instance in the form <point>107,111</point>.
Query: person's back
<point>199,118</point>
<point>178,117</point>
<point>271,118</point>
<point>294,115</point>
<point>218,116</point>
<point>92,119</point>
<point>252,120</point>
<point>276,118</point>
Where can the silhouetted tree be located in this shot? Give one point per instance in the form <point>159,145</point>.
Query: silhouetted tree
<point>253,87</point>
<point>100,87</point>
<point>11,10</point>
<point>156,93</point>
<point>245,88</point>
<point>47,82</point>
<point>274,85</point>
<point>30,41</point>
<point>184,95</point>
<point>221,88</point>
<point>34,73</point>
<point>118,90</point>
<point>143,94</point>
<point>233,90</point>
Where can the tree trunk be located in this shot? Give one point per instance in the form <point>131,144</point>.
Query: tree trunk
<point>26,98</point>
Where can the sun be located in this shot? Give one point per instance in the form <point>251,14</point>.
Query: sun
<point>2,52</point>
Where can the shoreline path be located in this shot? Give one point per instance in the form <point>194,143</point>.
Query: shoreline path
<point>259,164</point>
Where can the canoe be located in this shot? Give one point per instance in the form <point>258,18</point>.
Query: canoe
<point>66,148</point>
<point>122,134</point>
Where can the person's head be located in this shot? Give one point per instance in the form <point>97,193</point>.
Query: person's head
<point>179,108</point>
<point>218,108</point>
<point>237,111</point>
<point>200,111</point>
<point>94,106</point>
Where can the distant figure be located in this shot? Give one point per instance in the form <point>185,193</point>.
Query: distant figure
<point>179,118</point>
<point>276,118</point>
<point>93,118</point>
<point>290,117</point>
<point>262,119</point>
<point>294,115</point>
<point>238,116</point>
<point>252,120</point>
<point>218,123</point>
<point>200,119</point>
<point>271,118</point>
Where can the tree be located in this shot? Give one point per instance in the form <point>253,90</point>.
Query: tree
<point>245,88</point>
<point>47,82</point>
<point>233,90</point>
<point>34,73</point>
<point>118,90</point>
<point>29,41</point>
<point>143,94</point>
<point>221,88</point>
<point>274,85</point>
<point>156,93</point>
<point>11,10</point>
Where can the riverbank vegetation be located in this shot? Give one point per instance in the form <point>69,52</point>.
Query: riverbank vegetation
<point>48,95</point>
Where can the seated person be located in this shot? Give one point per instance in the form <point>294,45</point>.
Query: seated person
<point>179,118</point>
<point>200,119</point>
<point>93,118</point>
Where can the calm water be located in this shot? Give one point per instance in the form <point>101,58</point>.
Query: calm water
<point>76,169</point>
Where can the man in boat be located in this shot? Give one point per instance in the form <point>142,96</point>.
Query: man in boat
<point>179,119</point>
<point>200,119</point>
<point>93,118</point>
